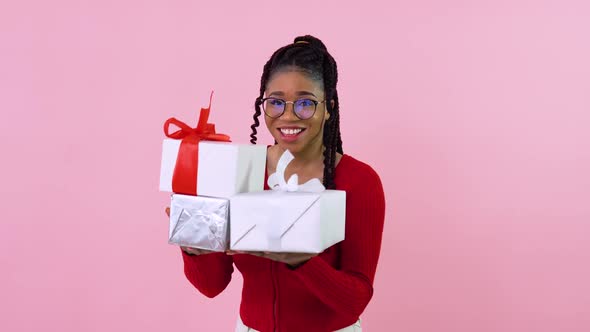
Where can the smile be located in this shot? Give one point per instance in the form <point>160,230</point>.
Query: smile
<point>290,131</point>
<point>290,135</point>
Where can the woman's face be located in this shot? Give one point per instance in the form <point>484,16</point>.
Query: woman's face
<point>288,130</point>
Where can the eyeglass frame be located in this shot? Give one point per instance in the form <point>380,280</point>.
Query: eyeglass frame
<point>315,102</point>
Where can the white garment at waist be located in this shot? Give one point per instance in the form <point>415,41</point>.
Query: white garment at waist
<point>240,327</point>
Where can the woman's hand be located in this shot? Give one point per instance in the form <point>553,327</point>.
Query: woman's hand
<point>293,259</point>
<point>196,251</point>
<point>188,250</point>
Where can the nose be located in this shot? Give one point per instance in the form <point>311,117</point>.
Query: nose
<point>289,113</point>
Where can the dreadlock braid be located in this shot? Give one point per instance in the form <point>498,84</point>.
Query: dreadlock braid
<point>310,55</point>
<point>257,104</point>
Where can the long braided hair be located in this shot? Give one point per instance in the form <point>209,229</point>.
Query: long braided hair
<point>310,55</point>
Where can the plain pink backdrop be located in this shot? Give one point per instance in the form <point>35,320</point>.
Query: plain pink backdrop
<point>474,113</point>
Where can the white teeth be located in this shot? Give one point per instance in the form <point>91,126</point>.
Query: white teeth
<point>290,131</point>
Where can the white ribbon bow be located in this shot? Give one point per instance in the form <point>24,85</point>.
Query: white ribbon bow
<point>276,181</point>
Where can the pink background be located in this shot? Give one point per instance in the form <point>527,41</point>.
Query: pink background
<point>475,114</point>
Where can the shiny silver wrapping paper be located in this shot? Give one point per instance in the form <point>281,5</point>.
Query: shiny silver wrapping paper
<point>199,222</point>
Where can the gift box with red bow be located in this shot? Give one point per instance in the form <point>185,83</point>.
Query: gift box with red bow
<point>199,161</point>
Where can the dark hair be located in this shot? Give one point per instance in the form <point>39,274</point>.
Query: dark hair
<point>309,55</point>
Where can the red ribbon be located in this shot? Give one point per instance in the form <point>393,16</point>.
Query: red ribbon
<point>184,179</point>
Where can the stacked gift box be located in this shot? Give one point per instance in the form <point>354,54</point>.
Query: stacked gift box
<point>218,202</point>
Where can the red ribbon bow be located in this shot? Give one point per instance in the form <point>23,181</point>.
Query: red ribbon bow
<point>184,179</point>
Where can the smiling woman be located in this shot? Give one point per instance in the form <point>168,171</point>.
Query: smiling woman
<point>294,291</point>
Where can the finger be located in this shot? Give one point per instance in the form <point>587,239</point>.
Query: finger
<point>205,251</point>
<point>168,211</point>
<point>190,250</point>
<point>198,251</point>
<point>273,256</point>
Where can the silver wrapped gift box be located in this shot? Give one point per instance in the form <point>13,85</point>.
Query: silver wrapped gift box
<point>199,222</point>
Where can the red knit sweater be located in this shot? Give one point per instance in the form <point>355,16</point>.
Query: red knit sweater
<point>328,292</point>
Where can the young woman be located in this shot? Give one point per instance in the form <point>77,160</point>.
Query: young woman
<point>292,292</point>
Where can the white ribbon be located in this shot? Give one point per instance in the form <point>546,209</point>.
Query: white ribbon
<point>276,181</point>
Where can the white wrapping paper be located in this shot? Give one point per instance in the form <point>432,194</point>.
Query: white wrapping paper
<point>224,168</point>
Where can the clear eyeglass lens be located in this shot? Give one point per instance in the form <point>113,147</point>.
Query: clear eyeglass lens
<point>304,108</point>
<point>274,107</point>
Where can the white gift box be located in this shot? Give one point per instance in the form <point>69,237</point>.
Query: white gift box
<point>302,218</point>
<point>199,222</point>
<point>277,221</point>
<point>224,169</point>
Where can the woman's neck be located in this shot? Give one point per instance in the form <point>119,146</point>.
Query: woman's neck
<point>312,154</point>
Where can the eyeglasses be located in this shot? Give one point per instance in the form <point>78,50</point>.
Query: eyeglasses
<point>303,108</point>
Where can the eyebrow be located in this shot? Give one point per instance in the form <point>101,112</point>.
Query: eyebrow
<point>298,93</point>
